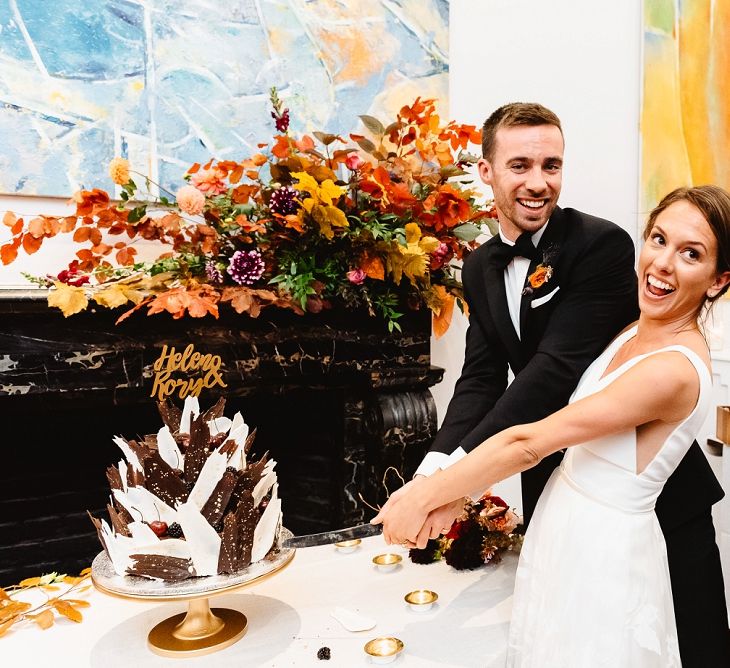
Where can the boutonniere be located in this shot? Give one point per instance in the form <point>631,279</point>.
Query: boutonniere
<point>543,272</point>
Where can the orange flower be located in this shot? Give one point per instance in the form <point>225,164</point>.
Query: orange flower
<point>446,208</point>
<point>540,276</point>
<point>190,200</point>
<point>209,181</point>
<point>119,171</point>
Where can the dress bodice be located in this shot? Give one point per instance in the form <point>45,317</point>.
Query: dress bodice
<point>605,468</point>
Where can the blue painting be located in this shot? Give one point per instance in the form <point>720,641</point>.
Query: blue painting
<point>167,83</point>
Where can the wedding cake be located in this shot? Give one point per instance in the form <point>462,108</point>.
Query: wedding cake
<point>186,502</point>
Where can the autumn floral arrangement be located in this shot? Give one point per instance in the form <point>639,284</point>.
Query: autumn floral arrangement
<point>485,530</point>
<point>308,223</point>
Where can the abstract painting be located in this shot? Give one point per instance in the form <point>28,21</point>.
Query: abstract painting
<point>685,116</point>
<point>167,83</point>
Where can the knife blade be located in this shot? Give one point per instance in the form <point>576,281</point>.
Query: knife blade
<point>327,537</point>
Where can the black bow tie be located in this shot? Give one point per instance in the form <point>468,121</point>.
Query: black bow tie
<point>504,253</point>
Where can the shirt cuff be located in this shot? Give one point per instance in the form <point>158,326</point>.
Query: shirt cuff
<point>456,456</point>
<point>432,462</point>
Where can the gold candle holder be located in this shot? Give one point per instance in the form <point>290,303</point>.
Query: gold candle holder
<point>387,562</point>
<point>347,546</point>
<point>421,600</point>
<point>383,650</point>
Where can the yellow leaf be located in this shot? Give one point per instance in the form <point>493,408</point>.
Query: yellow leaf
<point>69,299</point>
<point>117,294</point>
<point>4,595</point>
<point>329,191</point>
<point>30,582</point>
<point>429,244</point>
<point>12,609</point>
<point>78,603</point>
<point>67,610</point>
<point>87,570</point>
<point>6,625</point>
<point>413,233</point>
<point>306,182</point>
<point>44,619</point>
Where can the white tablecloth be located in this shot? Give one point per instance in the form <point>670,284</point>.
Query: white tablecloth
<point>289,618</point>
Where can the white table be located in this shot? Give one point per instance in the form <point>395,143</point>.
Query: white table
<point>289,618</point>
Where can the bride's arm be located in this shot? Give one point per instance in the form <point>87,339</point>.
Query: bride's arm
<point>662,387</point>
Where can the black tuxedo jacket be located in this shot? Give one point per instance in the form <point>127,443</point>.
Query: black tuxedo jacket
<point>565,324</point>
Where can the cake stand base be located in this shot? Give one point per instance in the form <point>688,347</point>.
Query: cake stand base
<point>198,631</point>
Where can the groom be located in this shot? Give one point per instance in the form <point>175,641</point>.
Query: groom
<point>545,297</point>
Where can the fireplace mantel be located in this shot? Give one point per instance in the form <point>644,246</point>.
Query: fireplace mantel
<point>336,399</point>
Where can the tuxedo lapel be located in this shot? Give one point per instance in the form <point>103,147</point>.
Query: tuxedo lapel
<point>497,300</point>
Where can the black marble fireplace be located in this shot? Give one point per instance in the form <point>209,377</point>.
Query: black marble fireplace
<point>335,398</point>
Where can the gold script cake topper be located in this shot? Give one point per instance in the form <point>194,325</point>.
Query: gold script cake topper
<point>205,366</point>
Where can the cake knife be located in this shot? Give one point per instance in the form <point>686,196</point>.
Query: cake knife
<point>327,537</point>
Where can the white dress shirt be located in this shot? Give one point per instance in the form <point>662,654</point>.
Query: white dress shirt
<point>515,275</point>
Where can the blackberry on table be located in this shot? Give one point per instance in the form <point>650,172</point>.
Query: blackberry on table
<point>324,654</point>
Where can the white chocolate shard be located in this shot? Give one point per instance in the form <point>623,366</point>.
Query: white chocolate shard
<point>203,541</point>
<point>210,475</point>
<point>144,506</point>
<point>268,478</point>
<point>168,450</point>
<point>219,425</point>
<point>191,408</point>
<point>266,530</point>
<point>128,453</point>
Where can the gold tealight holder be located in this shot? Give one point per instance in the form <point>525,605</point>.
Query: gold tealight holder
<point>383,650</point>
<point>387,562</point>
<point>347,546</point>
<point>421,599</point>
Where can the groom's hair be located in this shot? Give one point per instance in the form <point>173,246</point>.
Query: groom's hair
<point>713,203</point>
<point>511,115</point>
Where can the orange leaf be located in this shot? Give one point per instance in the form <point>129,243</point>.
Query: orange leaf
<point>31,244</point>
<point>67,610</point>
<point>8,252</point>
<point>235,175</point>
<point>30,582</point>
<point>95,237</point>
<point>68,223</point>
<point>306,143</point>
<point>126,255</point>
<point>36,227</point>
<point>86,571</point>
<point>44,619</point>
<point>82,234</point>
<point>194,168</point>
<point>101,249</point>
<point>9,219</point>
<point>442,319</point>
<point>373,267</point>
<point>18,227</point>
<point>4,595</point>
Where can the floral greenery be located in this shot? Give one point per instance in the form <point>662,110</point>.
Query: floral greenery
<point>308,223</point>
<point>484,531</point>
<point>13,611</point>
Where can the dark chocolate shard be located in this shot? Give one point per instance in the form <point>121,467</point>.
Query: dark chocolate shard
<point>162,481</point>
<point>139,449</point>
<point>249,440</point>
<point>161,567</point>
<point>215,411</point>
<point>170,415</point>
<point>247,480</point>
<point>216,505</point>
<point>119,522</point>
<point>150,442</point>
<point>227,557</point>
<point>114,478</point>
<point>135,478</point>
<point>197,451</point>
<point>97,526</point>
<point>247,518</point>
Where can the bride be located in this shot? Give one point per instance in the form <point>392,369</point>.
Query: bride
<point>592,586</point>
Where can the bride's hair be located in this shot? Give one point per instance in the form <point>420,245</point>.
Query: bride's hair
<point>713,203</point>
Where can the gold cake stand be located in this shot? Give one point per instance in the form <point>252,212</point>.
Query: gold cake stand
<point>200,630</point>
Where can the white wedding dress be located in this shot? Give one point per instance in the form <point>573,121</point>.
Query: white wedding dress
<point>592,588</point>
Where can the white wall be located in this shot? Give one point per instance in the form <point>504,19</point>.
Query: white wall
<point>582,60</point>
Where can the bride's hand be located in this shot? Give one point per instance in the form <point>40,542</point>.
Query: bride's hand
<point>440,519</point>
<point>403,516</point>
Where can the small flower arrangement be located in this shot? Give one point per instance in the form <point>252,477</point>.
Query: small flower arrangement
<point>478,537</point>
<point>309,223</point>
